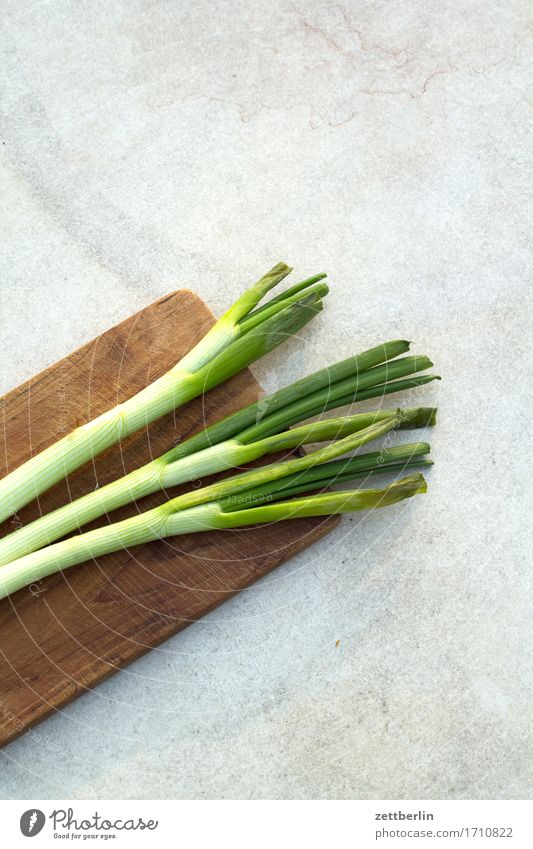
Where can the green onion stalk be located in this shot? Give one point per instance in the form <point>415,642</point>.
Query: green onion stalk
<point>395,460</point>
<point>241,336</point>
<point>224,504</point>
<point>243,437</point>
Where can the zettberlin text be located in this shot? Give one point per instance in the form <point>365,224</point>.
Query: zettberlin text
<point>399,815</point>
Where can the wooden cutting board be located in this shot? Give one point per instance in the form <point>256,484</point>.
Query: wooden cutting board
<point>61,637</point>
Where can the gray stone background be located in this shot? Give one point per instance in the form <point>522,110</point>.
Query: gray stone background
<point>151,145</point>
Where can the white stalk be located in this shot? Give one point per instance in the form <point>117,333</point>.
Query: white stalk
<point>162,474</point>
<point>87,441</point>
<point>163,522</point>
<point>215,358</point>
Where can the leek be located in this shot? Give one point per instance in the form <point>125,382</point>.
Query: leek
<point>237,339</point>
<point>214,506</point>
<point>390,460</point>
<point>241,438</point>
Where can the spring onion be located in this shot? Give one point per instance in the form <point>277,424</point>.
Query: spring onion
<point>387,461</point>
<point>236,340</point>
<point>214,506</point>
<point>241,438</point>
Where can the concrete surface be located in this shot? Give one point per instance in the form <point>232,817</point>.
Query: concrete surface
<point>149,145</point>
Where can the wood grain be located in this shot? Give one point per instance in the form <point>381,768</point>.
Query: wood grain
<point>61,637</point>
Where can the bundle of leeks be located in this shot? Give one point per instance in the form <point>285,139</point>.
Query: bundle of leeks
<point>237,339</point>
